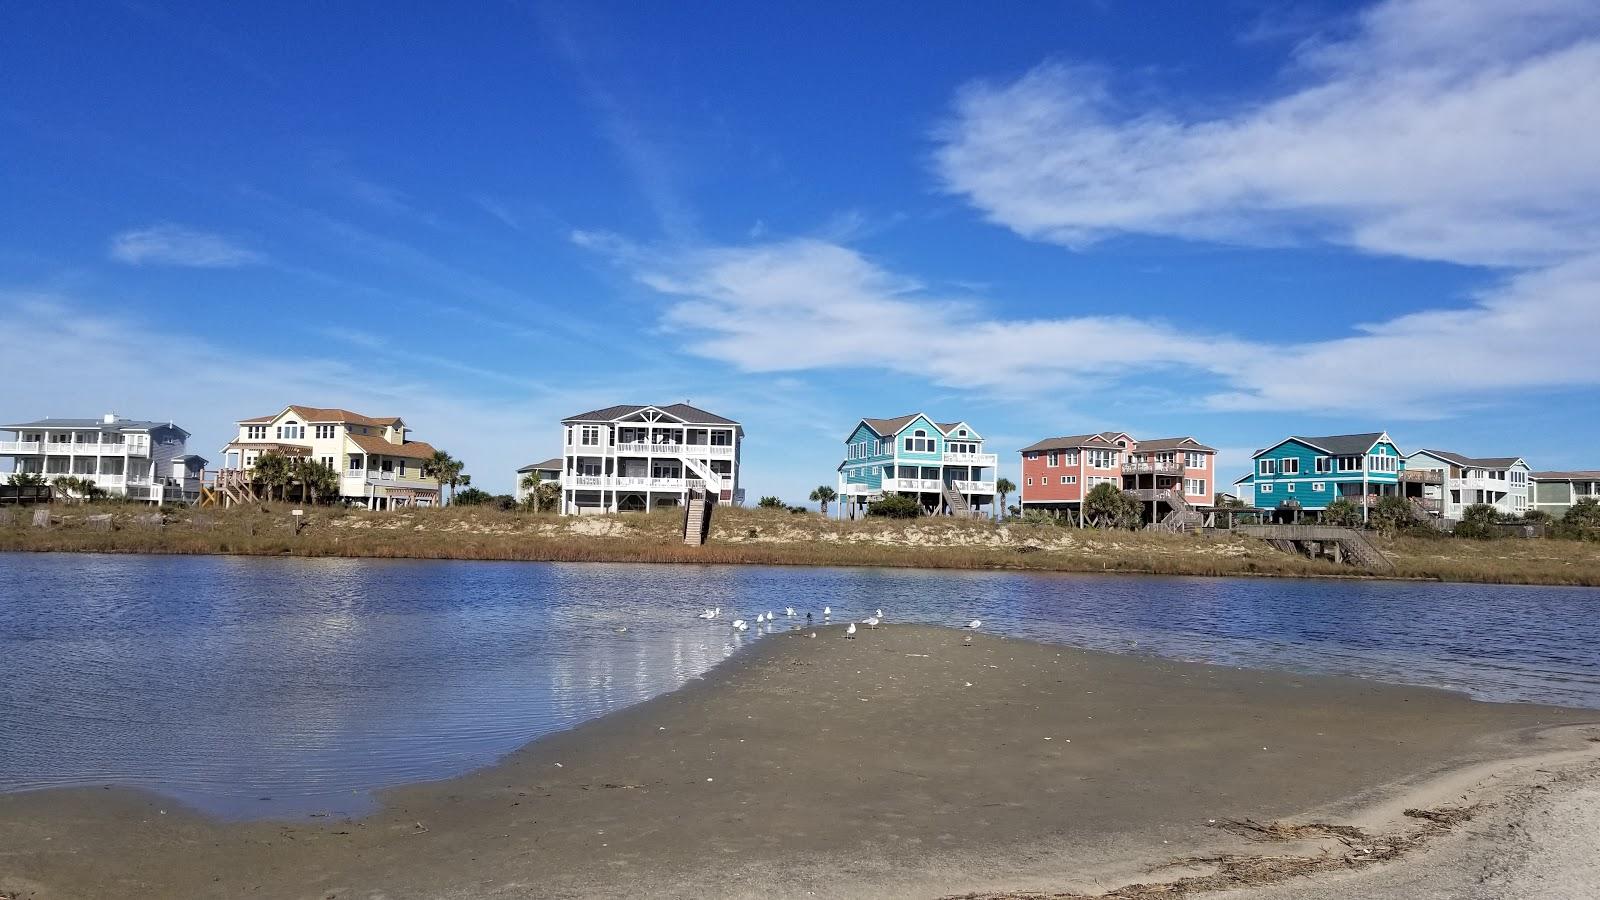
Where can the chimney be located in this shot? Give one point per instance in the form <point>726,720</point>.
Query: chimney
<point>109,418</point>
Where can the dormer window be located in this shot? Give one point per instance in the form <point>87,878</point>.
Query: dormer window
<point>919,442</point>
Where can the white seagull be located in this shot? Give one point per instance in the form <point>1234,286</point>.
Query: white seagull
<point>789,611</point>
<point>827,611</point>
<point>851,631</point>
<point>873,622</point>
<point>975,623</point>
<point>739,625</point>
<point>711,613</point>
<point>880,613</point>
<point>760,617</point>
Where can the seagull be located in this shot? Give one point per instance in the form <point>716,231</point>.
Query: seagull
<point>789,611</point>
<point>873,622</point>
<point>813,634</point>
<point>760,617</point>
<point>710,613</point>
<point>770,615</point>
<point>851,631</point>
<point>739,625</point>
<point>880,613</point>
<point>975,623</point>
<point>827,611</point>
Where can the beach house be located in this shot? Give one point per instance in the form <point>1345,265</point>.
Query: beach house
<point>941,464</point>
<point>549,472</point>
<point>378,464</point>
<point>1300,475</point>
<point>1175,477</point>
<point>1556,492</point>
<point>132,458</point>
<point>1459,481</point>
<point>642,457</point>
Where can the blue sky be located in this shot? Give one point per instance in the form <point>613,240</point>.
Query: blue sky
<point>1234,220</point>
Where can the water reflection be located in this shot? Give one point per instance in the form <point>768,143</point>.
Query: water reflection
<point>273,686</point>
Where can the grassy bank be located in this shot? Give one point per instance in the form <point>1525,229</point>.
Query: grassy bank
<point>762,537</point>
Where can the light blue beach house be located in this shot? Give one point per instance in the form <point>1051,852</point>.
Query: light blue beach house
<point>941,464</point>
<point>1300,475</point>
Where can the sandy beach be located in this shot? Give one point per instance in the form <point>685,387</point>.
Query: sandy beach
<point>904,763</point>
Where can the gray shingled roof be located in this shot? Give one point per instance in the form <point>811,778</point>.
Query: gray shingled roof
<point>1069,442</point>
<point>99,424</point>
<point>553,463</point>
<point>890,427</point>
<point>1340,444</point>
<point>1576,475</point>
<point>1478,462</point>
<point>1174,443</point>
<point>689,414</point>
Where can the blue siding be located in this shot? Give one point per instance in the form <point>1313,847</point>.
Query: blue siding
<point>1314,490</point>
<point>920,423</point>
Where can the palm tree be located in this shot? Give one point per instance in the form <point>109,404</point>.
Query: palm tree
<point>26,479</point>
<point>316,479</point>
<point>274,471</point>
<point>1004,487</point>
<point>446,469</point>
<point>824,495</point>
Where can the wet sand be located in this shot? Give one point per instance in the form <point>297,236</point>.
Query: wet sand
<point>898,764</point>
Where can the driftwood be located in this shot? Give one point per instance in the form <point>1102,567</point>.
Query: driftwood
<point>41,518</point>
<point>101,522</point>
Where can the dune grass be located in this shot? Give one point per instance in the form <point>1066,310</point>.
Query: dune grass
<point>761,537</point>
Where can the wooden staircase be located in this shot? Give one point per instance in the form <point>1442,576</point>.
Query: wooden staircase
<point>1181,517</point>
<point>957,503</point>
<point>697,517</point>
<point>227,487</point>
<point>1346,544</point>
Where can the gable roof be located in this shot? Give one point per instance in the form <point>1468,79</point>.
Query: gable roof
<point>689,415</point>
<point>552,463</point>
<point>1485,462</point>
<point>891,427</point>
<point>1173,443</point>
<point>325,414</point>
<point>1071,442</point>
<point>1572,475</point>
<point>1334,444</point>
<point>380,447</point>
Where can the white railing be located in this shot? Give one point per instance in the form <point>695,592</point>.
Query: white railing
<point>859,489</point>
<point>105,480</point>
<point>974,487</point>
<point>972,459</point>
<point>130,447</point>
<point>19,446</point>
<point>912,484</point>
<point>1163,467</point>
<point>378,476</point>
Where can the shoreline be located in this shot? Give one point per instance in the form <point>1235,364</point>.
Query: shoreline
<point>873,743</point>
<point>763,538</point>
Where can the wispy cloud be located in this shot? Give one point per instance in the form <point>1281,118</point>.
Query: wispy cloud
<point>808,304</point>
<point>177,245</point>
<point>1455,130</point>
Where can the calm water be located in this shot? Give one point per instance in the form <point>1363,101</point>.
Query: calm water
<point>251,687</point>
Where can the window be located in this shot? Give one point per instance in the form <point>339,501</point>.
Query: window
<point>1319,486</point>
<point>1349,463</point>
<point>721,439</point>
<point>402,466</point>
<point>1266,488</point>
<point>1091,481</point>
<point>323,432</point>
<point>1324,465</point>
<point>1071,458</point>
<point>1289,487</point>
<point>1103,459</point>
<point>590,436</point>
<point>1289,466</point>
<point>1383,463</point>
<point>1053,459</point>
<point>1193,460</point>
<point>1033,454</point>
<point>1069,479</point>
<point>292,431</point>
<point>919,442</point>
<point>327,461</point>
<point>1194,487</point>
<point>355,462</point>
<point>255,432</point>
<point>589,467</point>
<point>1268,467</point>
<point>1030,482</point>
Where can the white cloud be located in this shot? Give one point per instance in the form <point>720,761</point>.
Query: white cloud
<point>809,304</point>
<point>1455,130</point>
<point>176,245</point>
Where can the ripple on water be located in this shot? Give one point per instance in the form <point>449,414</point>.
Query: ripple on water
<point>223,681</point>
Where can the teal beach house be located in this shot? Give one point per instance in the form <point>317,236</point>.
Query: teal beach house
<point>941,464</point>
<point>1299,476</point>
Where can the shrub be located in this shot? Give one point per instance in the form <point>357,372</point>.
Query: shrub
<point>1582,521</point>
<point>895,506</point>
<point>1038,517</point>
<point>472,497</point>
<point>1390,514</point>
<point>1342,512</point>
<point>770,502</point>
<point>1478,521</point>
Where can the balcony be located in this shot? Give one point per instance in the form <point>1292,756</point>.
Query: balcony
<point>913,485</point>
<point>1152,467</point>
<point>973,487</point>
<point>981,460</point>
<point>642,483</point>
<point>858,490</point>
<point>133,446</point>
<point>19,447</point>
<point>708,451</point>
<point>1422,476</point>
<point>1152,495</point>
<point>392,479</point>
